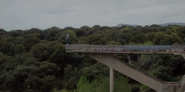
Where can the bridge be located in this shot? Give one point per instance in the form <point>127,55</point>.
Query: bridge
<point>105,55</point>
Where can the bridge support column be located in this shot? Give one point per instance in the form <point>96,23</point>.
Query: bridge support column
<point>127,70</point>
<point>183,55</point>
<point>182,87</point>
<point>111,80</point>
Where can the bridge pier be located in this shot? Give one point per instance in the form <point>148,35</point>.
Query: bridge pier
<point>111,80</point>
<point>182,87</point>
<point>183,55</point>
<point>126,70</point>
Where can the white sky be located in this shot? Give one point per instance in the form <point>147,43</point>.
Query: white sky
<point>43,14</point>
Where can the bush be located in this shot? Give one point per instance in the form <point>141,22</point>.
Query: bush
<point>101,84</point>
<point>143,87</point>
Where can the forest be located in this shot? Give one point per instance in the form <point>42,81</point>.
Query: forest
<point>35,60</point>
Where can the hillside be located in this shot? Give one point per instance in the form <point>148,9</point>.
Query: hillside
<point>35,60</point>
<point>173,23</point>
<point>165,24</point>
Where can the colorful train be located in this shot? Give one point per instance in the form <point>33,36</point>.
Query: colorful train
<point>152,48</point>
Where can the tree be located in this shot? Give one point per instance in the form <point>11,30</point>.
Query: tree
<point>164,73</point>
<point>32,83</point>
<point>101,84</point>
<point>150,36</point>
<point>122,38</point>
<point>139,38</point>
<point>71,77</point>
<point>144,62</point>
<point>6,45</point>
<point>58,55</point>
<point>15,33</point>
<point>50,33</point>
<point>48,83</point>
<point>36,31</point>
<point>18,49</point>
<point>79,33</point>
<point>47,68</point>
<point>98,39</point>
<point>96,27</point>
<point>158,37</point>
<point>29,41</point>
<point>91,72</point>
<point>113,43</point>
<point>15,79</point>
<point>41,51</point>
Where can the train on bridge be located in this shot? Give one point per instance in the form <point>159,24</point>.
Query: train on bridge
<point>137,49</point>
<point>152,48</point>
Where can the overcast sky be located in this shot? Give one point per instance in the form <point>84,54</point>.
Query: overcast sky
<point>43,14</point>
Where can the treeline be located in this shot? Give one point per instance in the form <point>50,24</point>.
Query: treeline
<point>35,60</point>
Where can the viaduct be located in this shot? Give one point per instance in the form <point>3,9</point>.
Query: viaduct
<point>104,54</point>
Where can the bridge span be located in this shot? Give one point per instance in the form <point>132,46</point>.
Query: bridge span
<point>104,54</point>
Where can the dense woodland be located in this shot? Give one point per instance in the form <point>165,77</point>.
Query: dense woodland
<point>35,60</point>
